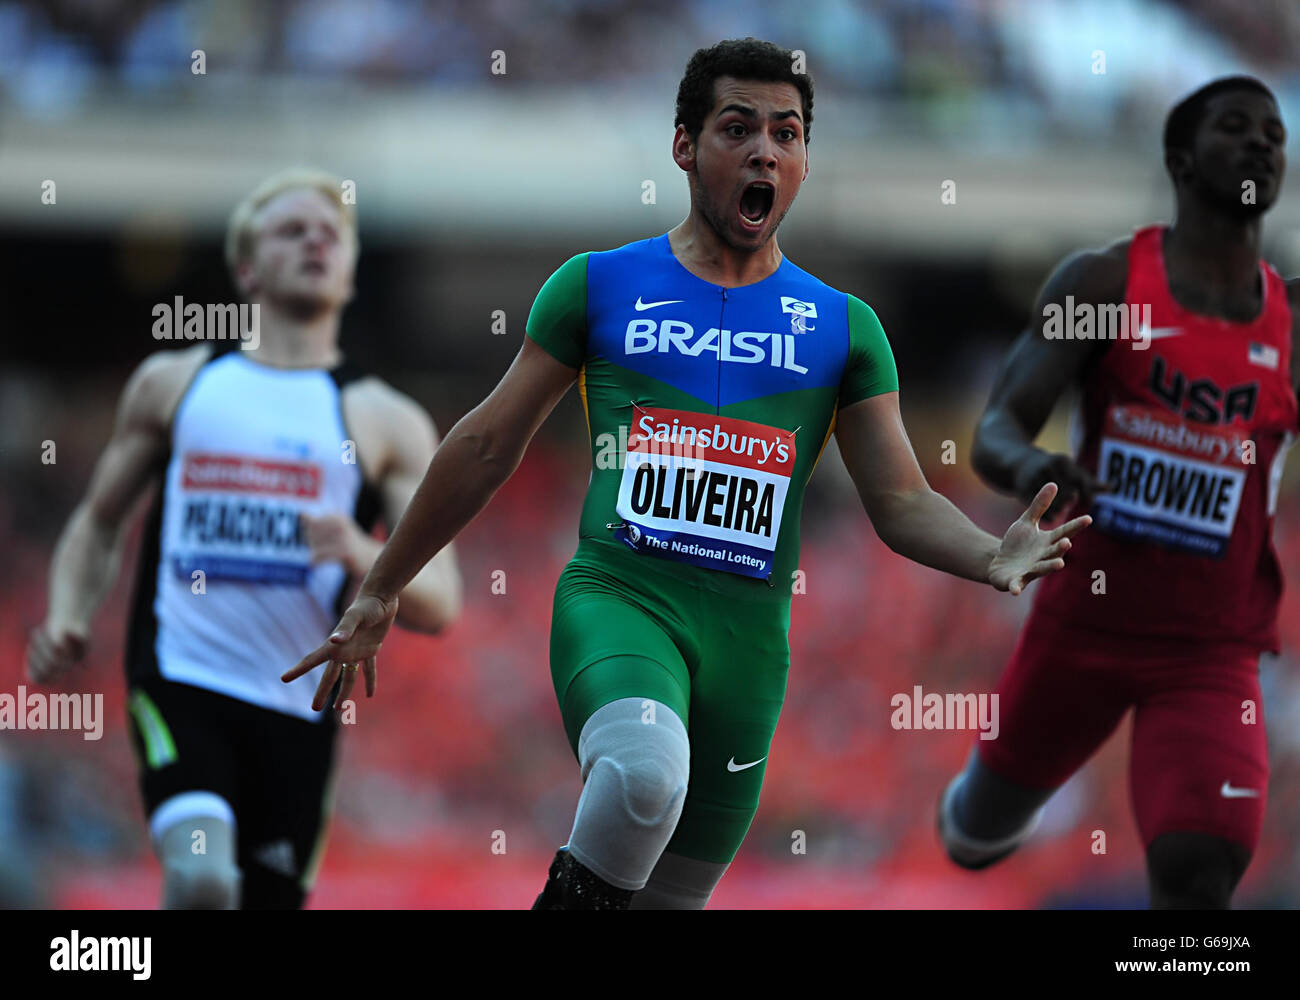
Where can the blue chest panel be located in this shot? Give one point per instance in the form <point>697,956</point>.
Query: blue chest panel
<point>647,313</point>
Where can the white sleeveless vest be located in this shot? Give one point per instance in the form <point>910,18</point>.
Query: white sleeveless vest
<point>235,598</point>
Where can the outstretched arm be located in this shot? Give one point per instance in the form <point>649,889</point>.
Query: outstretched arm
<point>475,459</point>
<point>1036,372</point>
<point>924,526</point>
<point>478,455</point>
<point>431,601</point>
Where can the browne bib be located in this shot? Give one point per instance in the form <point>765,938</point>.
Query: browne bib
<point>1169,482</point>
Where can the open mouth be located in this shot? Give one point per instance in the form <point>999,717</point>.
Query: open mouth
<point>756,203</point>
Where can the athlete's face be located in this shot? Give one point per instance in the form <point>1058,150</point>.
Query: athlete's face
<point>1240,153</point>
<point>749,160</point>
<point>304,254</point>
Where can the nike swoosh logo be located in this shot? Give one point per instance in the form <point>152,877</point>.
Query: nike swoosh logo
<point>1158,333</point>
<point>643,306</point>
<point>1228,792</point>
<point>733,766</point>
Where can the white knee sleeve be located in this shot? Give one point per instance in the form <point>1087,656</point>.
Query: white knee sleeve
<point>636,773</point>
<point>197,849</point>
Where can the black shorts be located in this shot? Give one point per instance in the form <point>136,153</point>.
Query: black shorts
<point>273,769</point>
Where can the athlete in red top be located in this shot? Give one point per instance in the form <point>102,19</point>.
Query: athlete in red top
<point>1168,601</point>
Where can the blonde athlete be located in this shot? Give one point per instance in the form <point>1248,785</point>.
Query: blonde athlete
<point>272,465</point>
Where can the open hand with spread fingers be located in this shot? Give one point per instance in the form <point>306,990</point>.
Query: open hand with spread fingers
<point>350,647</point>
<point>1027,552</point>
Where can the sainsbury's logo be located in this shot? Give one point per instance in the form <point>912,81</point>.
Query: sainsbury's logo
<point>238,474</point>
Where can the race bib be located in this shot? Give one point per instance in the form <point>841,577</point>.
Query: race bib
<point>705,490</point>
<point>1169,482</point>
<point>239,519</point>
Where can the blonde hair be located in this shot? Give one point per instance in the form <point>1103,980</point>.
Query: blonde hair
<point>240,233</point>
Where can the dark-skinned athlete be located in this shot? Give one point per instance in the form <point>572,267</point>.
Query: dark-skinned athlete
<point>725,368</point>
<point>1169,600</point>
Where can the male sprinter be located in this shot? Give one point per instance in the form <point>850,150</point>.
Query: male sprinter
<point>1166,606</point>
<point>726,367</point>
<point>273,465</point>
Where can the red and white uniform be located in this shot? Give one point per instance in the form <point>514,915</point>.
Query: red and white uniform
<point>1190,434</point>
<point>1168,598</point>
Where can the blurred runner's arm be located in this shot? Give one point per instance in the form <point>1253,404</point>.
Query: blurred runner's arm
<point>88,555</point>
<point>431,601</point>
<point>1036,373</point>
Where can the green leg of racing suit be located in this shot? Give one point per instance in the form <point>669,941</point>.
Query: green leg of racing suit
<point>630,626</point>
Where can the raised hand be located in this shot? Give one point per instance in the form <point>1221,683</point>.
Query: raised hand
<point>351,646</point>
<point>1027,552</point>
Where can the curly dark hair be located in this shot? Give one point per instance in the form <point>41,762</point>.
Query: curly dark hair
<point>745,59</point>
<point>1188,114</point>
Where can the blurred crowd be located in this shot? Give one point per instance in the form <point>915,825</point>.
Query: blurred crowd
<point>1012,65</point>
